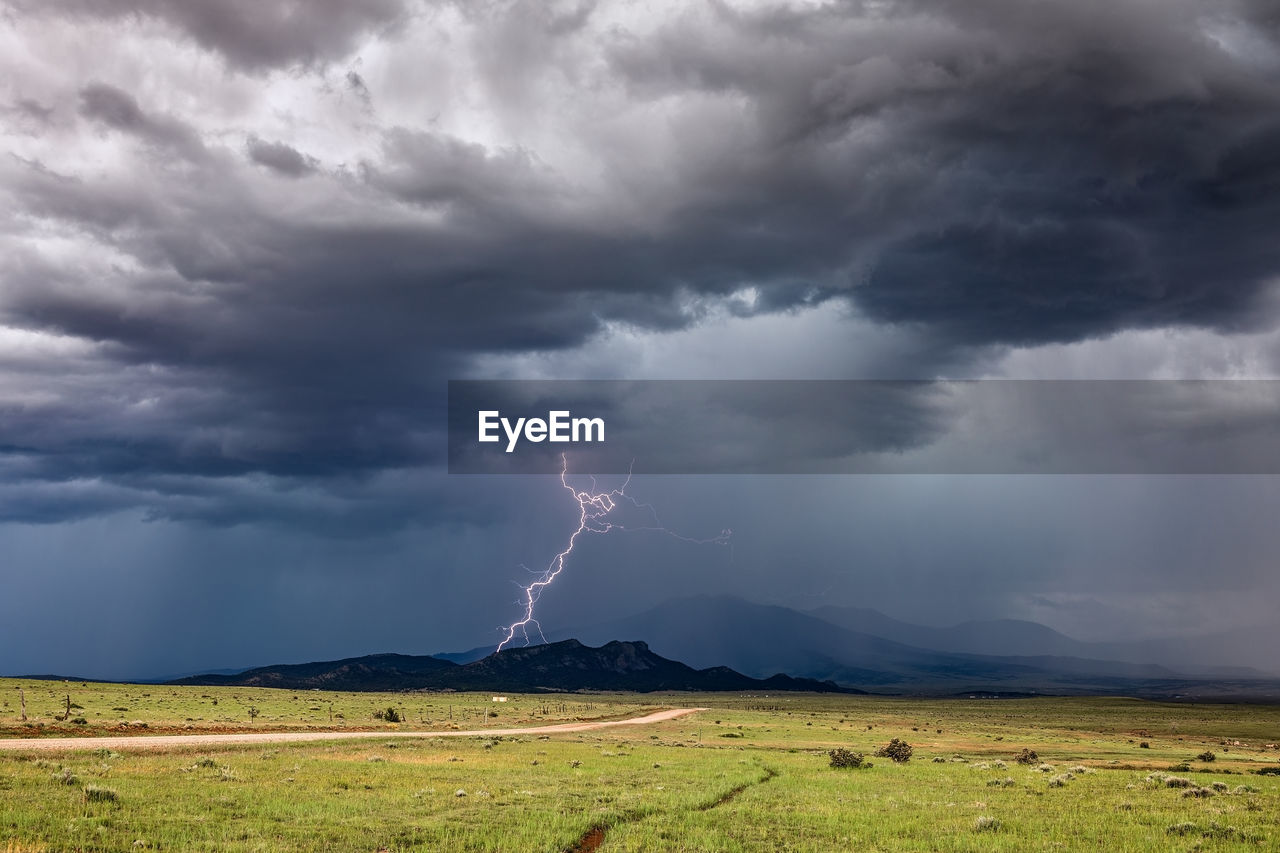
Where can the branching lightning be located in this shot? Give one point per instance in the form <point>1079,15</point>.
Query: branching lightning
<point>594,508</point>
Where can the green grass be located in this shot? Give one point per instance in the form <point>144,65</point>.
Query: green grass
<point>680,785</point>
<point>140,709</point>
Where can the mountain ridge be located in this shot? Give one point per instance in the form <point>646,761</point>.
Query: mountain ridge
<point>564,666</point>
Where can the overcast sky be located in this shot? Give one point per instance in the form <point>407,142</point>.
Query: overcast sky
<point>245,243</point>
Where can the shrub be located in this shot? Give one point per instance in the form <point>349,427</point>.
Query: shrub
<point>986,823</point>
<point>1144,745</point>
<point>1206,756</point>
<point>391,715</point>
<point>843,759</point>
<point>938,759</point>
<point>1181,767</point>
<point>95,794</point>
<point>1197,792</point>
<point>898,750</point>
<point>66,777</point>
<point>1177,782</point>
<point>1027,756</point>
<point>1268,771</point>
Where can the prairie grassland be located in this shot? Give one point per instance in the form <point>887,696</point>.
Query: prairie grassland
<point>751,774</point>
<point>100,709</point>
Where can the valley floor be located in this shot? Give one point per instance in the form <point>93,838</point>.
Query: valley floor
<point>750,773</point>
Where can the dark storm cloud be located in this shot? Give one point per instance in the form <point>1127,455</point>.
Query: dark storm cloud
<point>254,34</point>
<point>980,173</point>
<point>280,157</point>
<point>1001,171</point>
<point>118,109</point>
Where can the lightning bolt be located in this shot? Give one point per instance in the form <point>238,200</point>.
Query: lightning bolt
<point>594,509</point>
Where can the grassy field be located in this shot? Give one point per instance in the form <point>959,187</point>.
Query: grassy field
<point>750,774</point>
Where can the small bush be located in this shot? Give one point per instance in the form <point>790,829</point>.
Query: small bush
<point>1183,829</point>
<point>1220,787</point>
<point>1206,756</point>
<point>1268,771</point>
<point>1027,756</point>
<point>897,750</point>
<point>1177,782</point>
<point>66,777</point>
<point>938,759</point>
<point>1197,792</point>
<point>1144,745</point>
<point>1180,767</point>
<point>844,759</point>
<point>986,823</point>
<point>95,794</point>
<point>390,715</point>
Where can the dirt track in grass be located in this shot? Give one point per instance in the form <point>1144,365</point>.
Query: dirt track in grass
<point>66,744</point>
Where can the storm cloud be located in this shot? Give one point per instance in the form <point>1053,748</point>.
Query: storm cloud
<point>984,173</point>
<point>243,245</point>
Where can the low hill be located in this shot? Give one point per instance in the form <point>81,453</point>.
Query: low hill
<point>565,666</point>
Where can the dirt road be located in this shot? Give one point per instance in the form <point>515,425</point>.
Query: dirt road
<point>66,744</point>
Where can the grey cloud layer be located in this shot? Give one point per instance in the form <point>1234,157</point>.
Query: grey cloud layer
<point>258,292</point>
<point>254,34</point>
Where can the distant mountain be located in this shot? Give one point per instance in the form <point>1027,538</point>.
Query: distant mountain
<point>563,666</point>
<point>371,672</point>
<point>994,637</point>
<point>570,665</point>
<point>757,639</point>
<point>478,653</point>
<point>1246,653</point>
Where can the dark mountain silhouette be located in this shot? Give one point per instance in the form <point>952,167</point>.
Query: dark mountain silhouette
<point>564,666</point>
<point>371,672</point>
<point>570,665</point>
